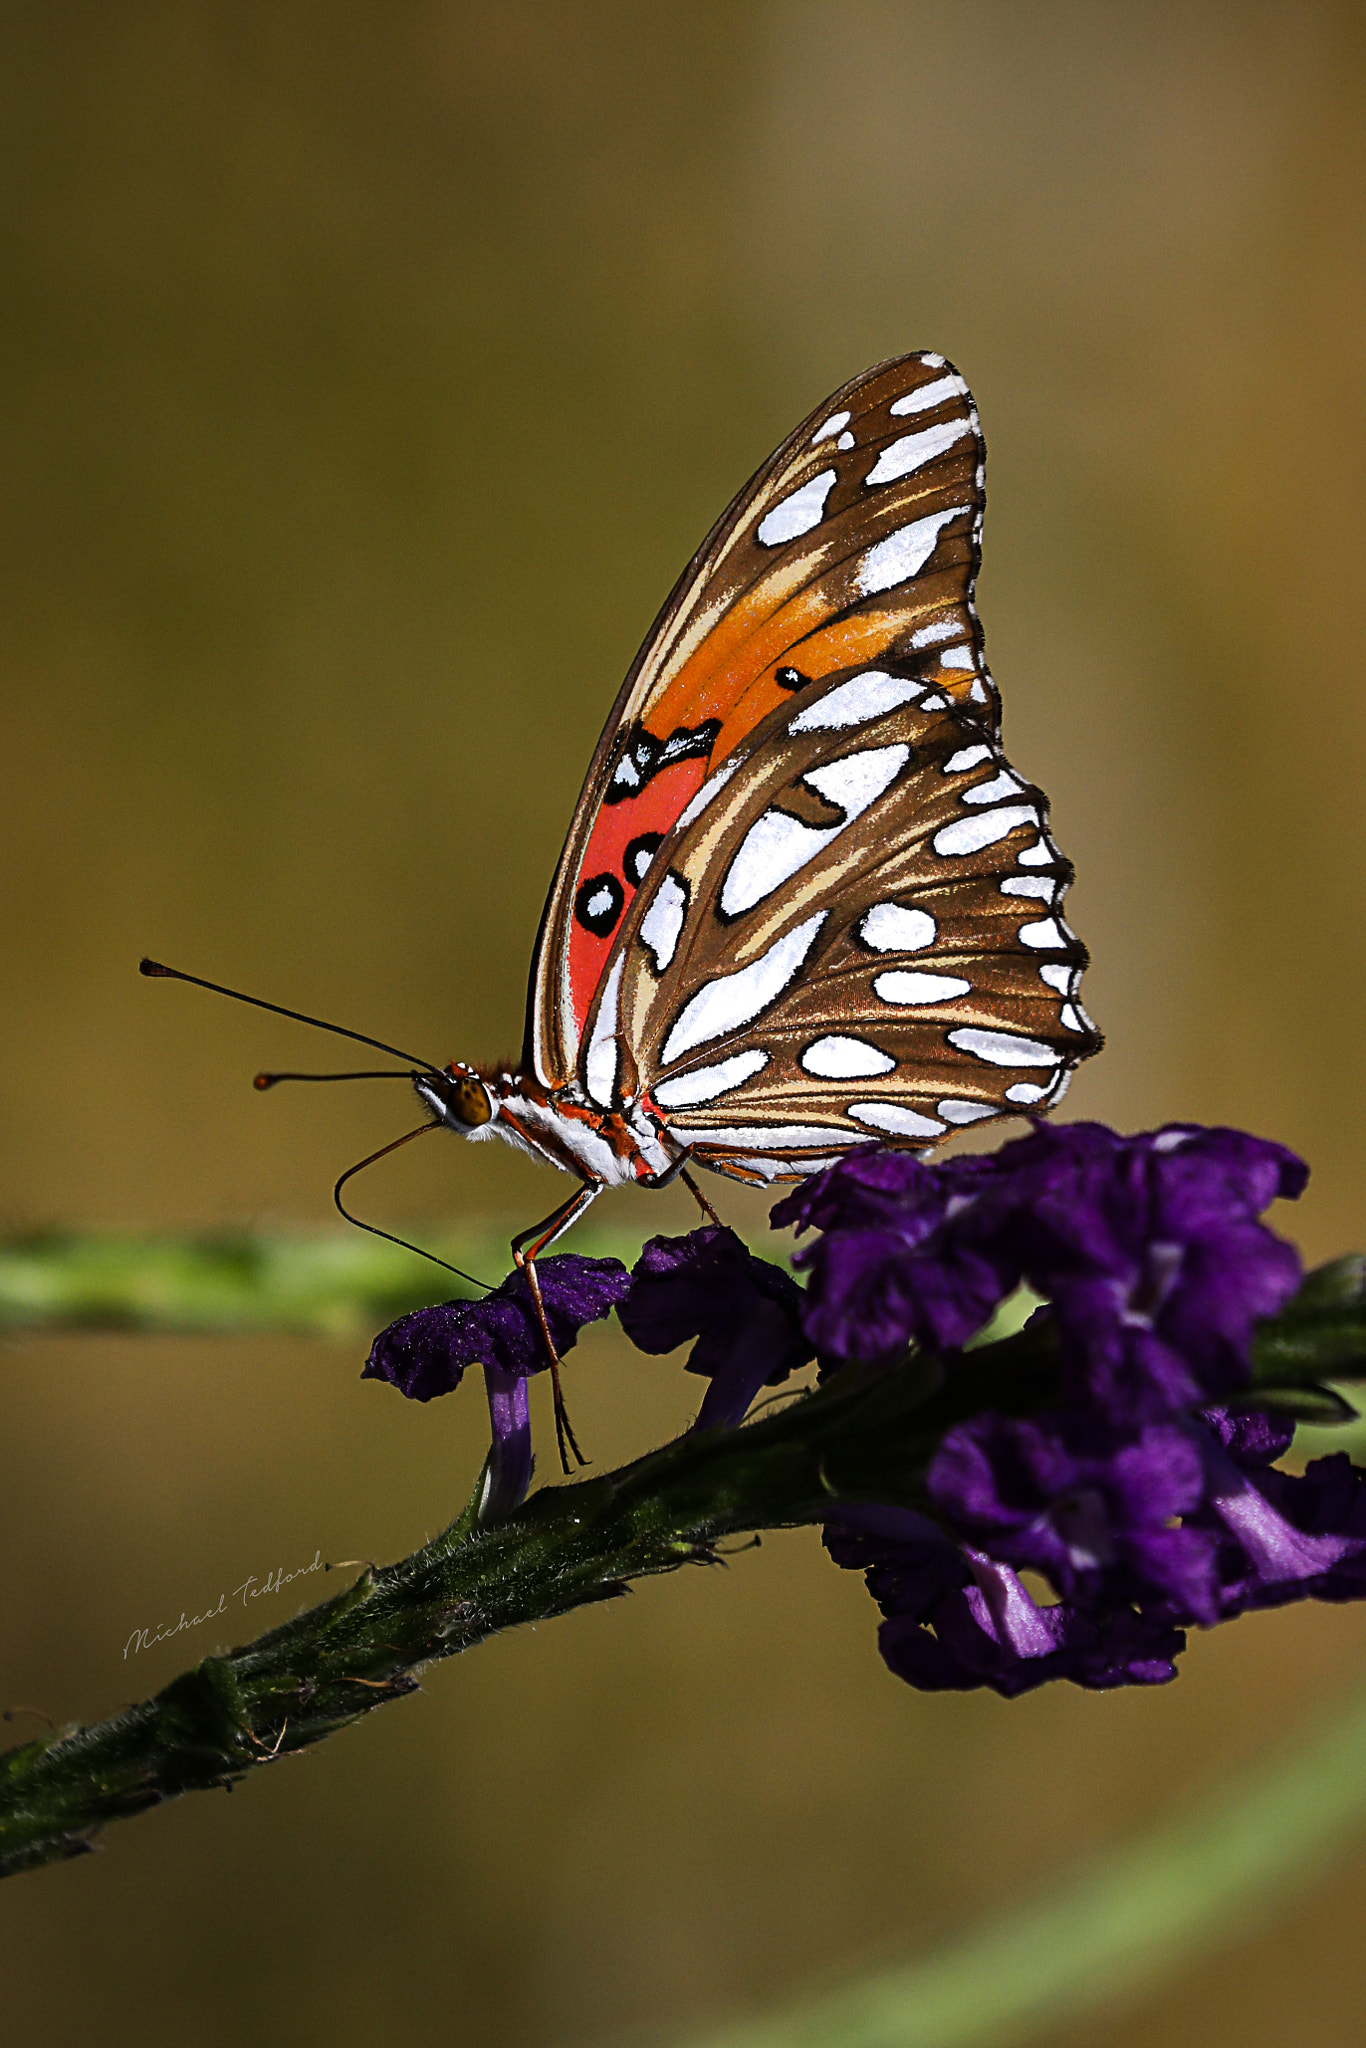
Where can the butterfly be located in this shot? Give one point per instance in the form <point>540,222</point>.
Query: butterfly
<point>805,902</point>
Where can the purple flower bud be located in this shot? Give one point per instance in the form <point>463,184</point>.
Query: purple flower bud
<point>744,1312</point>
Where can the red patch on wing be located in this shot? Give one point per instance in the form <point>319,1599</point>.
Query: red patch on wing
<point>654,809</point>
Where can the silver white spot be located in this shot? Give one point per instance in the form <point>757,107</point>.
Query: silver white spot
<point>970,835</point>
<point>706,1083</point>
<point>1059,977</point>
<point>834,425</point>
<point>1039,855</point>
<point>958,658</point>
<point>927,395</point>
<point>891,928</point>
<point>798,512</point>
<point>965,758</point>
<point>903,986</point>
<point>777,844</point>
<point>956,1112</point>
<point>1026,1091</point>
<point>600,1063</point>
<point>710,788</point>
<point>903,554</point>
<point>1002,785</point>
<point>1071,1018</point>
<point>934,703</point>
<point>843,1059</point>
<point>1045,887</point>
<point>662,924</point>
<point>1004,1048</point>
<point>913,451</point>
<point>601,903</point>
<point>895,1120</point>
<point>941,629</point>
<point>732,1000</point>
<point>863,697</point>
<point>1045,936</point>
<point>846,442</point>
<point>767,1137</point>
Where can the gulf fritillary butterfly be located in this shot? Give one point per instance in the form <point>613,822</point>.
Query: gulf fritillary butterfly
<point>805,902</point>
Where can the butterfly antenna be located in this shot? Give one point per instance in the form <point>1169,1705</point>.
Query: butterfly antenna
<point>264,1081</point>
<point>374,1228</point>
<point>157,971</point>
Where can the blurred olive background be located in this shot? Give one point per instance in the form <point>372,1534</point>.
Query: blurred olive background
<point>368,376</point>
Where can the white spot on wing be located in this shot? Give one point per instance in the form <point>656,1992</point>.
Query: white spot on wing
<point>970,835</point>
<point>1059,977</point>
<point>965,758</point>
<point>706,1083</point>
<point>942,629</point>
<point>891,928</point>
<point>1043,886</point>
<point>600,1064</point>
<point>859,779</point>
<point>1046,936</point>
<point>710,788</point>
<point>1004,1048</point>
<point>768,1137</point>
<point>843,1059</point>
<point>1071,1018</point>
<point>956,1112</point>
<point>662,923</point>
<point>834,425</point>
<point>927,395</point>
<point>903,554</point>
<point>1039,855</point>
<point>777,844</point>
<point>913,451</point>
<point>902,986</point>
<point>855,702</point>
<point>958,658</point>
<point>798,512</point>
<point>897,1121</point>
<point>732,1000</point>
<point>1025,1091</point>
<point>846,442</point>
<point>1002,785</point>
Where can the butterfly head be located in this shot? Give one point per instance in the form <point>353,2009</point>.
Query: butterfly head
<point>456,1095</point>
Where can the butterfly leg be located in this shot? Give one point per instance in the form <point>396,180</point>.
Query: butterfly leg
<point>526,1249</point>
<point>695,1191</point>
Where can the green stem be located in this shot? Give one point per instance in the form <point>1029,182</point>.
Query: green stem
<point>865,1436</point>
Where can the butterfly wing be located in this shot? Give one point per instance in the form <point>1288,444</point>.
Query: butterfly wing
<point>852,934</point>
<point>855,546</point>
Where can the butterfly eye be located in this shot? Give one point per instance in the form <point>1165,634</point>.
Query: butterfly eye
<point>469,1102</point>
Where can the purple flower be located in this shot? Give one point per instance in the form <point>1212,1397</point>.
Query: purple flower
<point>1148,1248</point>
<point>744,1312</point>
<point>957,1619</point>
<point>425,1353</point>
<point>1095,1509</point>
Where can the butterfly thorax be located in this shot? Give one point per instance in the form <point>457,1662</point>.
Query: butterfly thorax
<point>609,1148</point>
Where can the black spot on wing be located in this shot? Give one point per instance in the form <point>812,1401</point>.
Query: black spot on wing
<point>637,857</point>
<point>643,756</point>
<point>598,904</point>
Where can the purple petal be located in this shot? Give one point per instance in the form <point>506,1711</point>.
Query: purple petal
<point>744,1312</point>
<point>426,1353</point>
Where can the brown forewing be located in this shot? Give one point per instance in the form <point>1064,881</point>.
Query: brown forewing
<point>744,610</point>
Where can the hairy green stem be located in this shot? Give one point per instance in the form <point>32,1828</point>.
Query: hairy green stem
<point>867,1435</point>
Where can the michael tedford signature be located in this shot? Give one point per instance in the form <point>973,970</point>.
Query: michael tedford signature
<point>250,1589</point>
